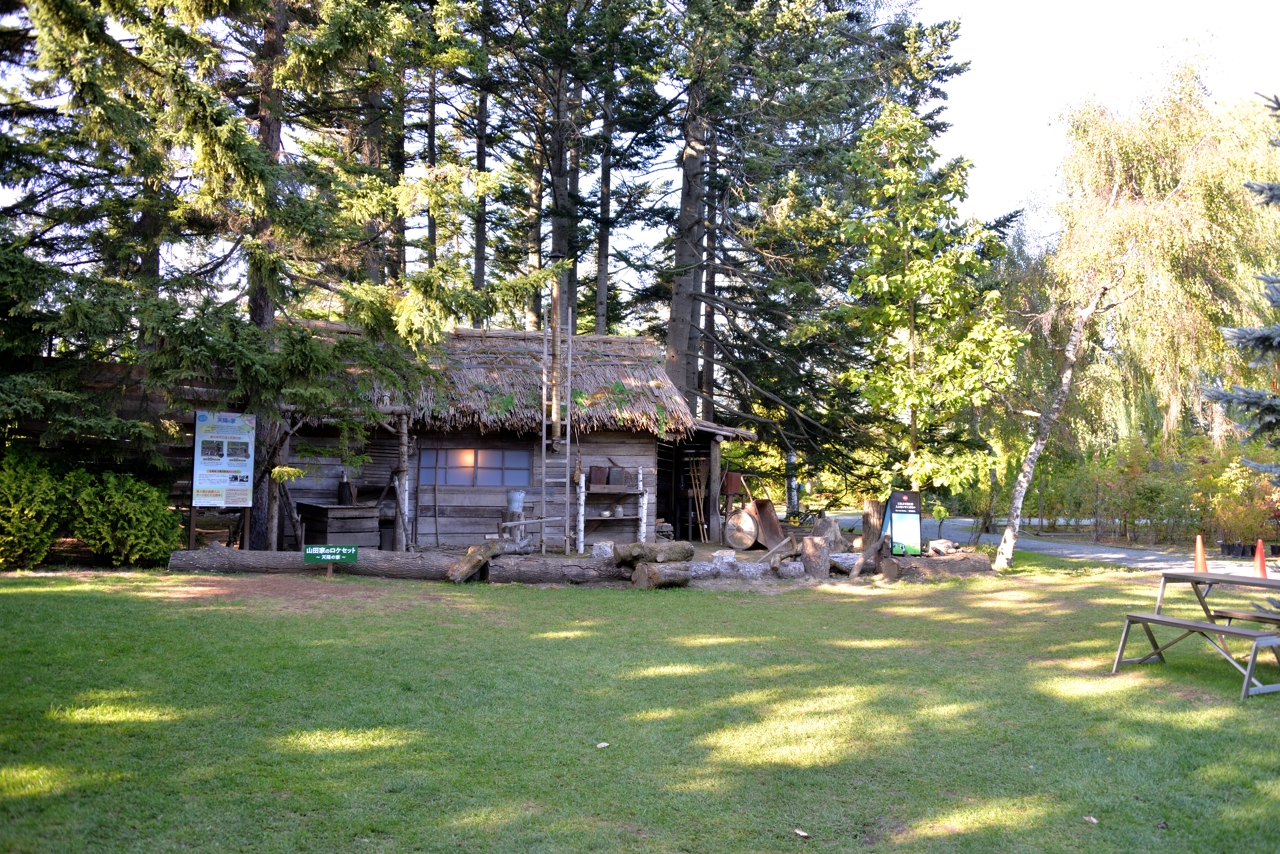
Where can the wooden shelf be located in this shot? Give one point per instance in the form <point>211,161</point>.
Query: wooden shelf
<point>606,489</point>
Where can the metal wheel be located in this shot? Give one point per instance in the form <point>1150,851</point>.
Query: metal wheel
<point>740,530</point>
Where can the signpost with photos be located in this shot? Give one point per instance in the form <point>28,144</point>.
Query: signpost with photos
<point>223,465</point>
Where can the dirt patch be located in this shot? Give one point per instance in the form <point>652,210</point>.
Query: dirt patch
<point>296,592</point>
<point>293,592</point>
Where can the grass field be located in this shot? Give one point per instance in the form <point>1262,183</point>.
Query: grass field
<point>153,712</point>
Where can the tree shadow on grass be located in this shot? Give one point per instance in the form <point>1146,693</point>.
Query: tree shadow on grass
<point>972,716</point>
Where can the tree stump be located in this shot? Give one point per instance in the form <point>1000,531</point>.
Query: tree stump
<point>815,554</point>
<point>829,527</point>
<point>654,575</point>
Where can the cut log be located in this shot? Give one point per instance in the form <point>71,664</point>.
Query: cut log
<point>634,553</point>
<point>651,575</point>
<point>791,569</point>
<point>540,570</point>
<point>475,561</point>
<point>815,554</point>
<point>960,564</point>
<point>844,563</point>
<point>429,566</point>
<point>829,527</point>
<point>868,559</point>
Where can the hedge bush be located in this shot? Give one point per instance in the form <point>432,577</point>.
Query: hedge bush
<point>118,517</point>
<point>33,508</point>
<point>124,520</point>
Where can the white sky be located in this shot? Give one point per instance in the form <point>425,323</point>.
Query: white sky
<point>1032,61</point>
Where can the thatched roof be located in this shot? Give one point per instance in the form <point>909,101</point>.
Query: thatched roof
<point>492,380</point>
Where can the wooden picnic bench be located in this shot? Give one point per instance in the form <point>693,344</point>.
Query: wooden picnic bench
<point>1215,633</point>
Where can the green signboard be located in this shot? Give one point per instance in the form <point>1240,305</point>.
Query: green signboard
<point>329,554</point>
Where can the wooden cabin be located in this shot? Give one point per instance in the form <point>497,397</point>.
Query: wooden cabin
<point>476,435</point>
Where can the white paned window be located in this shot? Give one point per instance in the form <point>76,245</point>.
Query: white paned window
<point>474,467</point>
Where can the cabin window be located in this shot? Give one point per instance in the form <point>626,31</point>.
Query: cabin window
<point>474,467</point>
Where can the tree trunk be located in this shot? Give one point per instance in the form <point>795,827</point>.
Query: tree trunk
<point>561,128</point>
<point>655,575</point>
<point>369,132</point>
<point>793,491</point>
<point>481,222</point>
<point>602,233</point>
<point>262,273</point>
<point>430,566</point>
<point>1044,426</point>
<point>397,256</point>
<point>533,237</point>
<point>431,162</point>
<point>541,570</point>
<point>575,175</point>
<point>872,520</point>
<point>708,375</point>
<point>681,363</point>
<point>714,524</point>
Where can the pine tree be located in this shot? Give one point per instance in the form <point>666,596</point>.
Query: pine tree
<point>1261,407</point>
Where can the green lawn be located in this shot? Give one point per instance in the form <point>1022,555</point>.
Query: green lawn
<point>140,713</point>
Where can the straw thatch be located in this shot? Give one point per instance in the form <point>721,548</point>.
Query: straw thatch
<point>492,380</point>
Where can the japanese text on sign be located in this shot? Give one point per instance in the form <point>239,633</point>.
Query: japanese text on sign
<point>330,554</point>
<point>223,460</point>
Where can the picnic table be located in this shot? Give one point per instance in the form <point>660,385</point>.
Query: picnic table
<point>1213,631</point>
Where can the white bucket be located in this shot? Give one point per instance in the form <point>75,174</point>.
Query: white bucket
<point>515,500</point>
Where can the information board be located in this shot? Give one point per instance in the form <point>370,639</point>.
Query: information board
<point>330,554</point>
<point>223,459</point>
<point>904,522</point>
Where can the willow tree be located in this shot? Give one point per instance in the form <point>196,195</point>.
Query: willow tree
<point>1159,238</point>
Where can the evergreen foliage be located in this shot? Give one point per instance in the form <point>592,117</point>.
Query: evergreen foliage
<point>1260,406</point>
<point>193,191</point>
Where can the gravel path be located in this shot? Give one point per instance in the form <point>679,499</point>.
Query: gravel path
<point>1148,559</point>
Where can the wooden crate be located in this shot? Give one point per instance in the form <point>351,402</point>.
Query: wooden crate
<point>334,524</point>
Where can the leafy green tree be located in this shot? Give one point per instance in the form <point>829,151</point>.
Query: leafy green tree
<point>940,342</point>
<point>1158,236</point>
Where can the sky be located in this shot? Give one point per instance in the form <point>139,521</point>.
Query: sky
<point>1031,62</point>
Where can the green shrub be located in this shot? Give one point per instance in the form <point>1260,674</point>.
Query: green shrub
<point>33,507</point>
<point>125,520</point>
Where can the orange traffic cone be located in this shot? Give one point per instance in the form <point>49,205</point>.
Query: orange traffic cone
<point>1201,564</point>
<point>1260,560</point>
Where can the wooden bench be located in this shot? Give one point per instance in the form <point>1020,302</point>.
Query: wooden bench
<point>1209,631</point>
<point>1248,616</point>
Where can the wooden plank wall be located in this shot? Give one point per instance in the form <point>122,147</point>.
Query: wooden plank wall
<point>467,514</point>
<point>628,450</point>
<point>323,474</point>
